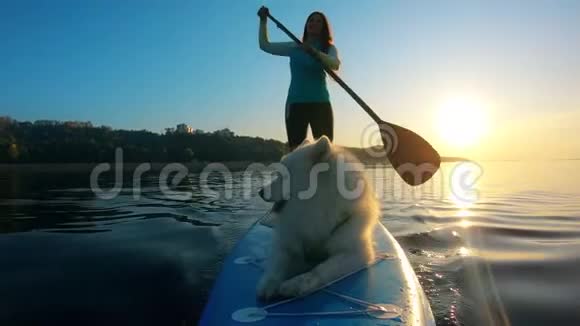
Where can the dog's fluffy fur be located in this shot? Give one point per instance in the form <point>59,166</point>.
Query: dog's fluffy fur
<point>324,229</point>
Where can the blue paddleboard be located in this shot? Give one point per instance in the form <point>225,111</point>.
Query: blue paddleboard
<point>384,293</point>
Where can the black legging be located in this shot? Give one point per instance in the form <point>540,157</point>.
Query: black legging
<point>318,115</point>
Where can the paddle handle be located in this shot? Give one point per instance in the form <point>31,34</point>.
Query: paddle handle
<point>332,74</point>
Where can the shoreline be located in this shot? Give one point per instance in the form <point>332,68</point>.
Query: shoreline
<point>193,167</point>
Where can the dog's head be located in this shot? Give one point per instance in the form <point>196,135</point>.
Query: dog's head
<point>298,171</point>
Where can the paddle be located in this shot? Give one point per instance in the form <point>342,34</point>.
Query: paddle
<point>414,159</point>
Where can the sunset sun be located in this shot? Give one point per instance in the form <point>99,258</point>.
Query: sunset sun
<point>461,122</point>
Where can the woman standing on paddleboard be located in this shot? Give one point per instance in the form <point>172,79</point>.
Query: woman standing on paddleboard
<point>308,101</point>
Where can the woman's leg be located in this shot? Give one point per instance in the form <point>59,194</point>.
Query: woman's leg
<point>321,120</point>
<point>296,124</point>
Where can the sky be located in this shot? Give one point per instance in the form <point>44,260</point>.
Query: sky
<point>146,64</point>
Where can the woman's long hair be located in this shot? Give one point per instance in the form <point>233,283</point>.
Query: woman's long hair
<point>325,35</point>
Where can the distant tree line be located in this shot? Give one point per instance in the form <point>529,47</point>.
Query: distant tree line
<point>49,141</point>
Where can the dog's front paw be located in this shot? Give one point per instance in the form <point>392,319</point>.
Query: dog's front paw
<point>300,285</point>
<point>268,287</point>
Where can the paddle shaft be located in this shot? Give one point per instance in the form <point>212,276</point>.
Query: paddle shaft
<point>332,74</point>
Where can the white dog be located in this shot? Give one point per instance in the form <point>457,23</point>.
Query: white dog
<point>323,229</point>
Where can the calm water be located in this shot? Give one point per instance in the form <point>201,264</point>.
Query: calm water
<point>507,252</point>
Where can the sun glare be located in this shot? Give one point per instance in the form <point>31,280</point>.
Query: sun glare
<point>462,121</point>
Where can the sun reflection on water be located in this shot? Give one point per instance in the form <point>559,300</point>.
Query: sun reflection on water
<point>463,252</point>
<point>463,193</point>
<point>465,223</point>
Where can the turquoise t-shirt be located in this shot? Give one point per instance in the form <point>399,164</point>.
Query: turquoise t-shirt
<point>308,79</point>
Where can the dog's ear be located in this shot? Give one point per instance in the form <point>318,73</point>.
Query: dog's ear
<point>305,142</point>
<point>321,149</point>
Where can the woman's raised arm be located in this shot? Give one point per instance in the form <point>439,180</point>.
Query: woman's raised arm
<point>277,48</point>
